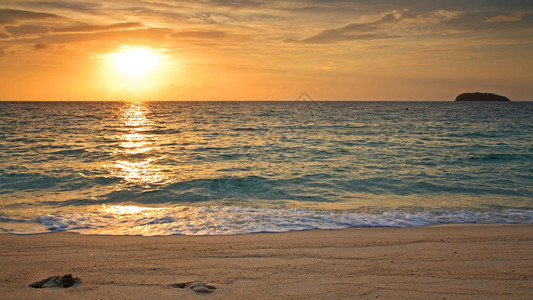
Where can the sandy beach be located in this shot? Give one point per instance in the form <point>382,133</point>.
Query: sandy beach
<point>444,262</point>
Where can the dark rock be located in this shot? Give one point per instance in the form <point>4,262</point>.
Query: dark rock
<point>196,286</point>
<point>179,285</point>
<point>64,281</point>
<point>480,97</point>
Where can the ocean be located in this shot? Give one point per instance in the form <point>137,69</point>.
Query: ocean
<point>225,168</point>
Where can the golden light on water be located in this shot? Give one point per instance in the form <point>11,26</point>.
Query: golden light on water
<point>135,138</point>
<point>135,143</point>
<point>135,116</point>
<point>135,157</point>
<point>139,172</point>
<point>119,209</point>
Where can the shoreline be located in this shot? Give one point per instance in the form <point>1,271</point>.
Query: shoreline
<point>234,220</point>
<point>434,262</point>
<point>444,225</point>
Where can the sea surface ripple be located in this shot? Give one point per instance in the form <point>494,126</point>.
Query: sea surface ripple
<point>211,168</point>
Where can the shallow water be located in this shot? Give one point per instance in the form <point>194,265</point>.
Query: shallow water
<point>159,168</point>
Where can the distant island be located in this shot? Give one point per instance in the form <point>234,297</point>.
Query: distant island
<point>480,97</point>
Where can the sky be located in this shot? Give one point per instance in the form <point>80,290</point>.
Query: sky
<point>265,49</point>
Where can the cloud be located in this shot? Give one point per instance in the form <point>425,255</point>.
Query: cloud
<point>514,17</point>
<point>82,27</point>
<point>25,30</point>
<point>40,28</point>
<point>393,24</point>
<point>210,18</point>
<point>199,34</point>
<point>355,31</point>
<point>341,35</point>
<point>433,17</point>
<point>12,16</point>
<point>236,3</point>
<point>115,36</point>
<point>40,46</point>
<point>69,5</point>
<point>31,24</point>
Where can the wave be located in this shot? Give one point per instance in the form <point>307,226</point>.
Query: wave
<point>231,220</point>
<point>12,181</point>
<point>504,157</point>
<point>69,152</point>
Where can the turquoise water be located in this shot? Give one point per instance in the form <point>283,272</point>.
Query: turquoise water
<point>207,168</point>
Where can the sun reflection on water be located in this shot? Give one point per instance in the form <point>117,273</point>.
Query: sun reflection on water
<point>119,209</point>
<point>135,155</point>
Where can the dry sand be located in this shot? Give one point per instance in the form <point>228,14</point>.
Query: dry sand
<point>449,262</point>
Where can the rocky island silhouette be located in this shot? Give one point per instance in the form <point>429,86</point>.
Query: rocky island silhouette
<point>477,96</point>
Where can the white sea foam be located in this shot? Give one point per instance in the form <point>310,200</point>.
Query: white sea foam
<point>219,220</point>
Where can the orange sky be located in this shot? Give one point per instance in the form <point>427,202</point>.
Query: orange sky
<point>267,50</point>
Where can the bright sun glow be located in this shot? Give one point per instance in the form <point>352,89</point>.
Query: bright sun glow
<point>136,73</point>
<point>134,62</point>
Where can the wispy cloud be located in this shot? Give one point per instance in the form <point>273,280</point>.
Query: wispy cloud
<point>40,46</point>
<point>26,30</point>
<point>13,16</point>
<point>392,24</point>
<point>514,17</point>
<point>81,27</point>
<point>27,25</point>
<point>356,31</point>
<point>199,34</point>
<point>65,5</point>
<point>148,34</point>
<point>235,3</point>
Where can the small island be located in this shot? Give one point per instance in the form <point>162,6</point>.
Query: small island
<point>480,97</point>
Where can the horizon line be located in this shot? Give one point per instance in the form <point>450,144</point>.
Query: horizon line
<point>247,100</point>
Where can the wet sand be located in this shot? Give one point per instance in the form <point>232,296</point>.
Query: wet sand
<point>444,262</point>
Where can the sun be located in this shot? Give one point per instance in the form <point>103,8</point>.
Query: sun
<point>134,62</point>
<point>136,72</point>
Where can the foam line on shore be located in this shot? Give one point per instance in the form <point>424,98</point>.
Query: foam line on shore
<point>232,220</point>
